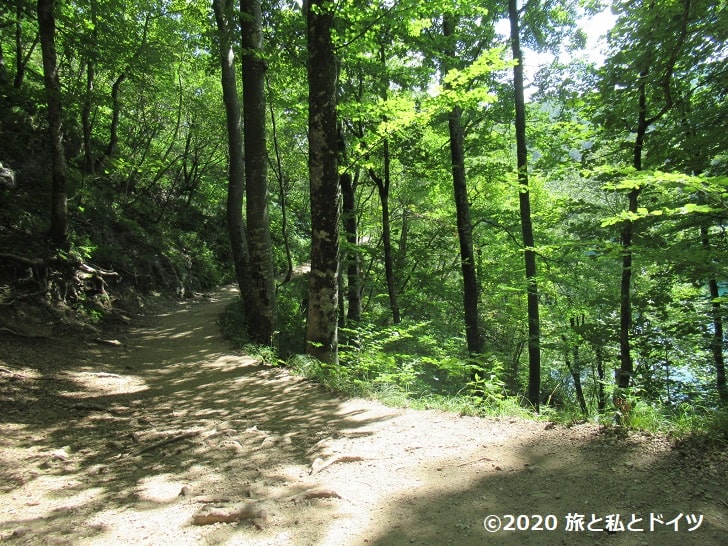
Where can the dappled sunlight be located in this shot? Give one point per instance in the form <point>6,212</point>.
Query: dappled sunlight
<point>169,407</point>
<point>163,488</point>
<point>143,435</point>
<point>534,475</point>
<point>93,384</point>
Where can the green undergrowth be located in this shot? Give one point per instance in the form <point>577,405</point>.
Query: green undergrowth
<point>403,366</point>
<point>410,365</point>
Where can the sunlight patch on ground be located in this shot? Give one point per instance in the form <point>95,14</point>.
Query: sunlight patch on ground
<point>228,363</point>
<point>94,384</point>
<point>162,488</point>
<point>182,334</point>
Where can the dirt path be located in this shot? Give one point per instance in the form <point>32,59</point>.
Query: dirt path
<point>126,443</point>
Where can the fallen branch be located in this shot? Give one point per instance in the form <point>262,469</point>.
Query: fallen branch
<point>167,441</point>
<point>215,514</point>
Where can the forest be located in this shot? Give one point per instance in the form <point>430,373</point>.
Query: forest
<point>469,205</point>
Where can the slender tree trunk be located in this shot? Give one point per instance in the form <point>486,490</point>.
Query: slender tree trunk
<point>59,206</point>
<point>282,187</point>
<point>115,115</point>
<point>263,312</point>
<point>86,126</point>
<point>626,368</point>
<point>322,317</point>
<point>465,234</point>
<point>534,327</point>
<point>21,58</point>
<point>383,191</point>
<point>462,204</point>
<point>236,182</point>
<point>601,395</point>
<point>88,159</point>
<point>353,260</point>
<point>716,341</point>
<point>383,185</point>
<point>575,371</point>
<point>4,78</point>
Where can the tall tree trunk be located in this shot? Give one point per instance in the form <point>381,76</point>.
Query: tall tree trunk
<point>353,260</point>
<point>115,115</point>
<point>282,188</point>
<point>462,204</point>
<point>601,394</point>
<point>86,125</point>
<point>716,341</point>
<point>236,181</point>
<point>534,327</point>
<point>21,58</point>
<point>382,184</point>
<point>322,323</point>
<point>59,206</point>
<point>263,312</point>
<point>626,368</point>
<point>4,78</point>
<point>88,155</point>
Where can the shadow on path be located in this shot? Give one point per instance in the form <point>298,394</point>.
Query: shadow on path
<point>106,436</point>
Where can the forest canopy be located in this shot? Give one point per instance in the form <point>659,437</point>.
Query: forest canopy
<point>401,191</point>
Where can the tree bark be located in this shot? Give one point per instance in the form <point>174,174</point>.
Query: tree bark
<point>115,115</point>
<point>236,173</point>
<point>322,323</point>
<point>89,165</point>
<point>59,206</point>
<point>383,190</point>
<point>282,188</point>
<point>263,311</point>
<point>88,159</point>
<point>21,58</point>
<point>462,206</point>
<point>4,78</point>
<point>716,341</point>
<point>353,260</point>
<point>626,368</point>
<point>534,327</point>
<point>383,185</point>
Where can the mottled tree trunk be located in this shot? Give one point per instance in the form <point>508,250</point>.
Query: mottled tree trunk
<point>534,324</point>
<point>322,324</point>
<point>236,169</point>
<point>59,206</point>
<point>263,311</point>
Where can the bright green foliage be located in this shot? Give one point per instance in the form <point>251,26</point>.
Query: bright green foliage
<point>152,207</point>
